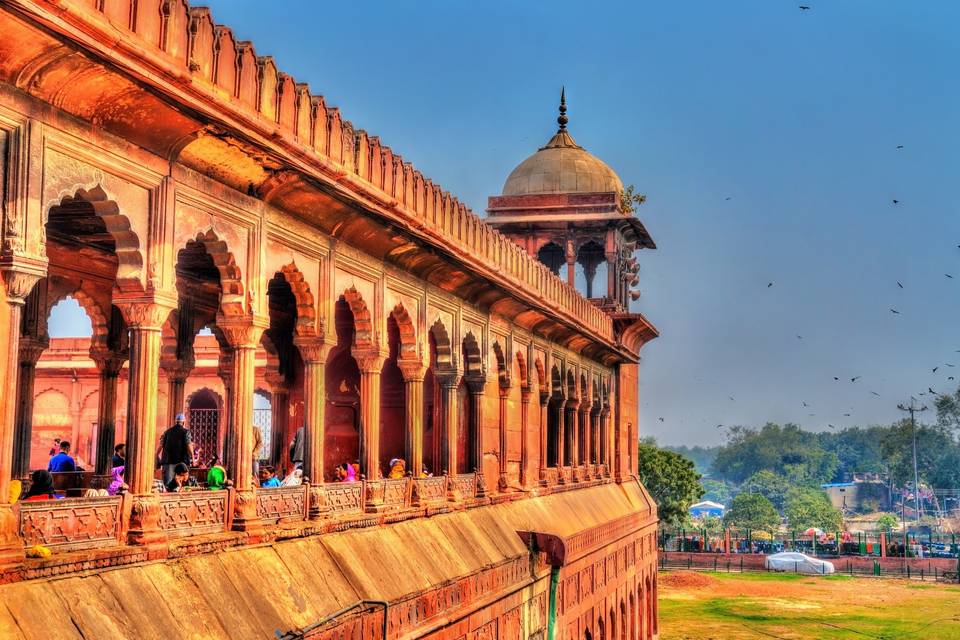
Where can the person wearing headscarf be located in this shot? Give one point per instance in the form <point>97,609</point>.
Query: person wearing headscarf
<point>216,476</point>
<point>96,489</point>
<point>398,469</point>
<point>116,481</point>
<point>41,486</point>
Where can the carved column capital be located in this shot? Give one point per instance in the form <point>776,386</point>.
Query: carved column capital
<point>368,361</point>
<point>242,331</point>
<point>145,312</point>
<point>108,362</point>
<point>31,349</point>
<point>313,349</point>
<point>412,370</point>
<point>276,381</point>
<point>20,281</point>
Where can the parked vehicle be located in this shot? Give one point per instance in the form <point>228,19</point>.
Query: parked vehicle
<point>798,563</point>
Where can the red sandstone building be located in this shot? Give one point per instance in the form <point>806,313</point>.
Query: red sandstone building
<point>235,240</point>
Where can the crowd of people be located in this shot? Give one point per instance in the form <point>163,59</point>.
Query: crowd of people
<point>175,456</point>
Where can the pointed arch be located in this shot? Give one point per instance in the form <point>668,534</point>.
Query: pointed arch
<point>522,366</point>
<point>232,292</point>
<point>61,289</point>
<point>541,374</point>
<point>95,200</point>
<point>306,324</point>
<point>503,374</point>
<point>363,337</point>
<point>472,359</point>
<point>408,333</point>
<point>441,339</point>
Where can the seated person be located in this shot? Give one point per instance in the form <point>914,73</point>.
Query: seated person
<point>268,478</point>
<point>398,469</point>
<point>117,485</point>
<point>216,476</point>
<point>119,456</point>
<point>41,487</point>
<point>346,473</point>
<point>294,479</point>
<point>96,489</point>
<point>158,486</point>
<point>181,477</point>
<point>63,461</point>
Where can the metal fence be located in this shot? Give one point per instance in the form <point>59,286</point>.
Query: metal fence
<point>829,544</point>
<point>263,419</point>
<point>204,425</point>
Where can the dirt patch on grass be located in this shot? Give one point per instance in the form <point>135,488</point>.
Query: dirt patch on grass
<point>687,580</point>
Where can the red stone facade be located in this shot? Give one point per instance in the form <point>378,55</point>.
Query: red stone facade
<point>159,172</point>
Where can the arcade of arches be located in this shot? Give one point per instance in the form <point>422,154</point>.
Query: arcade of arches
<point>247,257</point>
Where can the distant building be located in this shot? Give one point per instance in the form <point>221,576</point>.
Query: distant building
<point>707,508</point>
<point>863,493</point>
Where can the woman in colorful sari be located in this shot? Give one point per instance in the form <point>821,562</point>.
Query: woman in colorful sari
<point>116,481</point>
<point>398,469</point>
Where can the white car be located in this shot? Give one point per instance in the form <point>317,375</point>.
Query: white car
<point>797,563</point>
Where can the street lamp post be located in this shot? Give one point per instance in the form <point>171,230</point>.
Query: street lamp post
<point>912,408</point>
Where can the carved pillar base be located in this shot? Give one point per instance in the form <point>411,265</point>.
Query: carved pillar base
<point>453,492</point>
<point>245,513</point>
<point>145,521</point>
<point>11,546</point>
<point>318,502</point>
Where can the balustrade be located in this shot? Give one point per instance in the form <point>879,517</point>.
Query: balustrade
<point>71,524</point>
<point>189,513</point>
<point>344,497</point>
<point>427,491</point>
<point>280,504</point>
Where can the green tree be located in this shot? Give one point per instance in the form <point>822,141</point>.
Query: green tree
<point>752,512</point>
<point>948,411</point>
<point>937,455</point>
<point>702,456</point>
<point>786,450</point>
<point>715,491</point>
<point>770,485</point>
<point>672,481</point>
<point>857,450</point>
<point>886,522</point>
<point>805,508</point>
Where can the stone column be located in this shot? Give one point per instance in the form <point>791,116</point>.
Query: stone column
<point>605,439</point>
<point>544,400</point>
<point>30,351</point>
<point>18,285</point>
<point>225,373</point>
<point>587,438</point>
<point>279,415</point>
<point>502,483</point>
<point>612,276</point>
<point>413,374</point>
<point>595,451</point>
<point>314,352</point>
<point>524,436</point>
<point>448,430</point>
<point>177,374</point>
<point>370,365</point>
<point>243,336</point>
<point>109,364</point>
<point>570,425</point>
<point>476,417</point>
<point>144,317</point>
<point>571,263</point>
<point>561,438</point>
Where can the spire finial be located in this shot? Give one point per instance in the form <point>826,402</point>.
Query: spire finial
<point>562,119</point>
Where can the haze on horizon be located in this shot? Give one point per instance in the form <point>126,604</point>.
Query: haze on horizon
<point>765,138</point>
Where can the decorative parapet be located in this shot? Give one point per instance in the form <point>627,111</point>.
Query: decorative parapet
<point>71,524</point>
<point>344,497</point>
<point>429,490</point>
<point>214,63</point>
<point>465,485</point>
<point>194,512</point>
<point>282,503</point>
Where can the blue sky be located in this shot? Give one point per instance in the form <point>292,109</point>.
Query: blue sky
<point>765,139</point>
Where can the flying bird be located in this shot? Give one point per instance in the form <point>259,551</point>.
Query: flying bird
<point>948,275</point>
<point>805,403</point>
<point>894,311</point>
<point>899,146</point>
<point>949,377</point>
<point>728,197</point>
<point>660,419</point>
<point>719,426</point>
<point>831,426</point>
<point>875,393</point>
<point>895,201</point>
<point>799,337</point>
<point>855,378</point>
<point>948,364</point>
<point>899,285</point>
<point>732,398</point>
<point>935,369</point>
<point>804,7</point>
<point>835,378</point>
<point>847,415</point>
<point>769,284</point>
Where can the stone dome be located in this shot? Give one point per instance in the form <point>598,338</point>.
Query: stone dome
<point>561,166</point>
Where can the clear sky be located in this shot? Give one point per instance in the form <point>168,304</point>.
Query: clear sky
<point>765,138</point>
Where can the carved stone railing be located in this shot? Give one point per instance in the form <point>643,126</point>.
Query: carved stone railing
<point>396,493</point>
<point>566,475</point>
<point>278,504</point>
<point>191,513</point>
<point>274,103</point>
<point>429,490</point>
<point>551,476</point>
<point>602,471</point>
<point>590,470</point>
<point>465,485</point>
<point>74,523</point>
<point>344,497</point>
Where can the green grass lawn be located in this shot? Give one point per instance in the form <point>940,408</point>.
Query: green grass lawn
<point>770,605</point>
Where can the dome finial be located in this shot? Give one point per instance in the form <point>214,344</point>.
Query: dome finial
<point>562,119</point>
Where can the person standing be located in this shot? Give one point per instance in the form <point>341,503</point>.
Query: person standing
<point>119,456</point>
<point>257,447</point>
<point>63,461</point>
<point>296,449</point>
<point>175,448</point>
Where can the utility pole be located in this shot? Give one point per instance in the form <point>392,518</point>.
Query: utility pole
<point>912,408</point>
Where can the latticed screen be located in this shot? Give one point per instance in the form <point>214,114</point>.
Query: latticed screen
<point>204,425</point>
<point>262,419</point>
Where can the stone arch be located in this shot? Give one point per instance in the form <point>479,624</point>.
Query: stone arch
<point>408,332</point>
<point>552,255</point>
<point>61,289</point>
<point>232,291</point>
<point>541,374</point>
<point>306,305</point>
<point>522,366</point>
<point>503,373</point>
<point>126,243</point>
<point>472,359</point>
<point>363,337</point>
<point>444,351</point>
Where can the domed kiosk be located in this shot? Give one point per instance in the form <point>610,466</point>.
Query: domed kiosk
<point>566,206</point>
